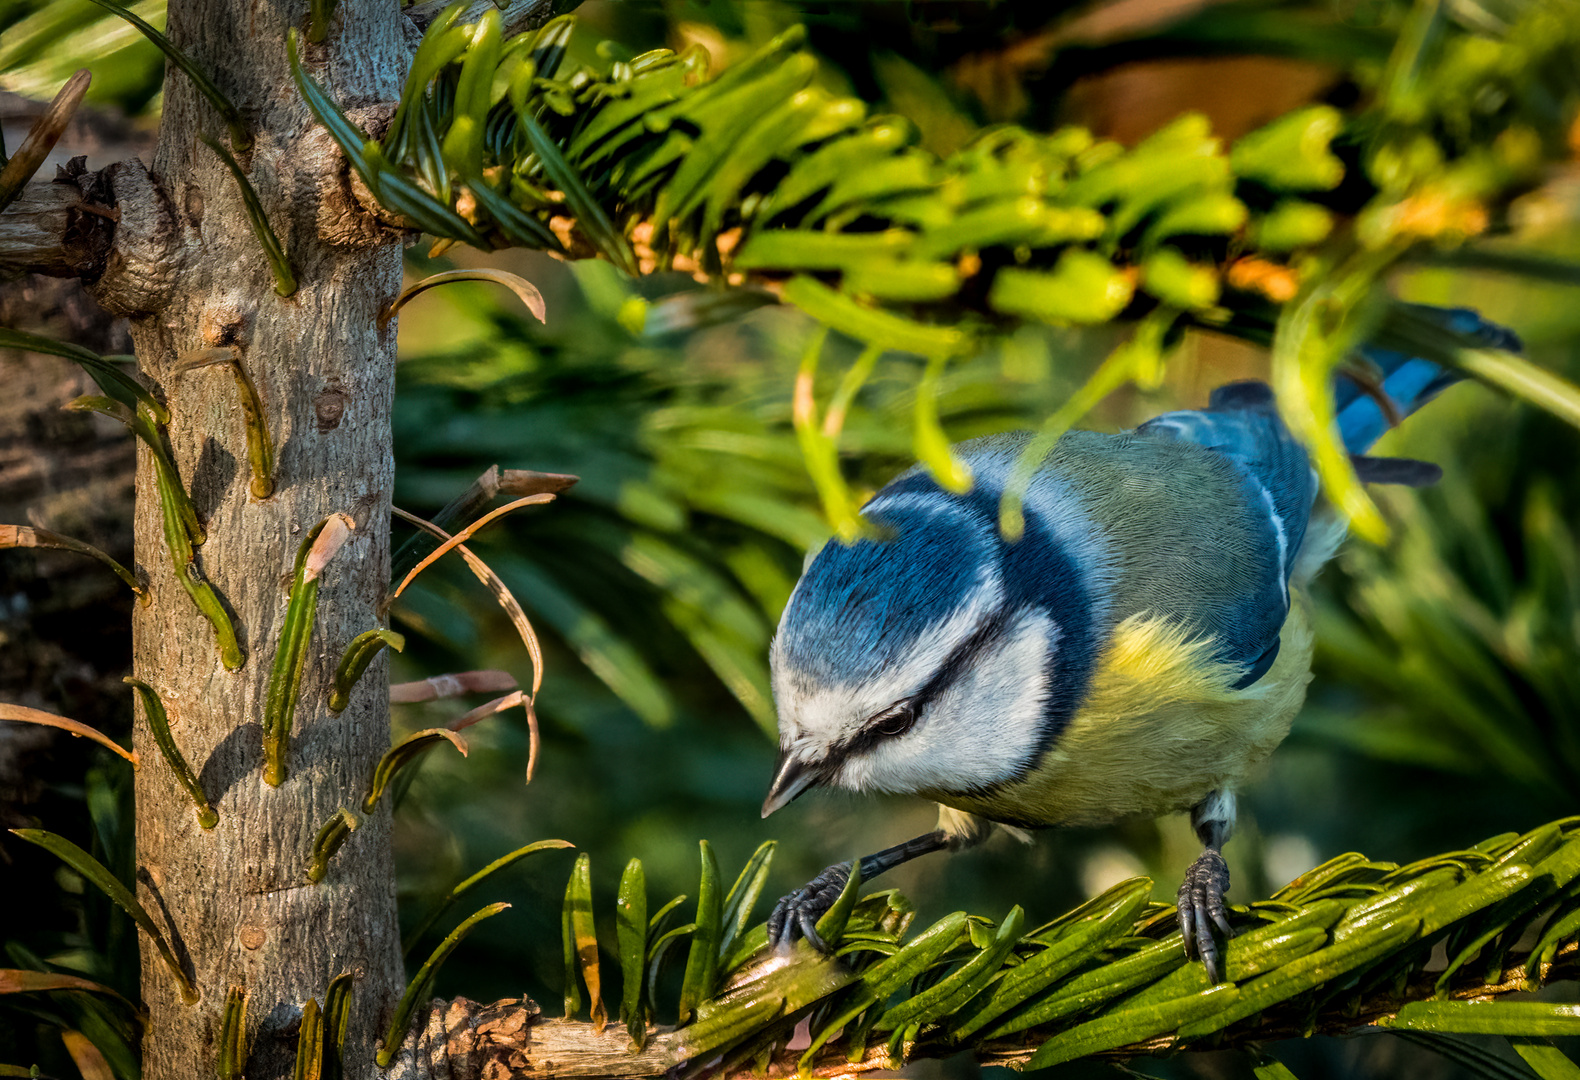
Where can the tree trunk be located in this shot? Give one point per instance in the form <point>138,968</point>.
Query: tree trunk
<point>235,898</point>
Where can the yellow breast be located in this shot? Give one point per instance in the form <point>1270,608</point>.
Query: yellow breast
<point>1161,727</point>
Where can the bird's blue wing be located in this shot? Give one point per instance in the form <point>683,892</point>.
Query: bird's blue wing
<point>1276,491</point>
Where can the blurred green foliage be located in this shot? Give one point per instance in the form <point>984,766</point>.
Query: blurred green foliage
<point>653,161</point>
<point>694,502</point>
<point>689,461</point>
<point>1446,700</point>
<point>84,934</point>
<point>43,41</point>
<point>648,791</point>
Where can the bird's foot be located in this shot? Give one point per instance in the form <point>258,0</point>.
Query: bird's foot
<point>796,914</point>
<point>1201,908</point>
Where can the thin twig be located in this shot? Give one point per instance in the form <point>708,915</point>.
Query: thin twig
<point>467,533</point>
<point>41,139</point>
<point>507,600</point>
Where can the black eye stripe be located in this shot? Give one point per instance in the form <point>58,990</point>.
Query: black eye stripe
<point>874,733</point>
<point>958,662</point>
<point>963,657</point>
<point>896,720</point>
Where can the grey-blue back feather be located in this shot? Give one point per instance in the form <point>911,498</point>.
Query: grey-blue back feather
<point>1242,424</point>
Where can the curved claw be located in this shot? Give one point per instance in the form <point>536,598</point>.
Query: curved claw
<point>796,914</point>
<point>807,921</point>
<point>1201,907</point>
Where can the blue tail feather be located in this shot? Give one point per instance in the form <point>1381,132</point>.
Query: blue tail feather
<point>1408,381</point>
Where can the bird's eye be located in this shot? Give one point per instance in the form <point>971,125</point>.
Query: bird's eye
<point>896,720</point>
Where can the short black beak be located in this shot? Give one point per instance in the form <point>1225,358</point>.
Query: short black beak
<point>791,778</point>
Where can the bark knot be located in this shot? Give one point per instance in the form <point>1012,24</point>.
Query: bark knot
<point>348,213</point>
<point>148,255</point>
<point>329,404</point>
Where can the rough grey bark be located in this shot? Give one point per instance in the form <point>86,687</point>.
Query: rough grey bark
<point>189,271</point>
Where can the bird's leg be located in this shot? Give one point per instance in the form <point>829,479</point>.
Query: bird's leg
<point>797,913</point>
<point>1201,893</point>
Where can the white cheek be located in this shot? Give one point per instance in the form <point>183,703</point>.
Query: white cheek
<point>982,730</point>
<point>821,715</point>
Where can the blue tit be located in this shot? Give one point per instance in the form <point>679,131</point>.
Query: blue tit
<point>1141,649</point>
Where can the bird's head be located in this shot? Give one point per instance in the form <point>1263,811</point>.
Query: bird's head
<point>906,662</point>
